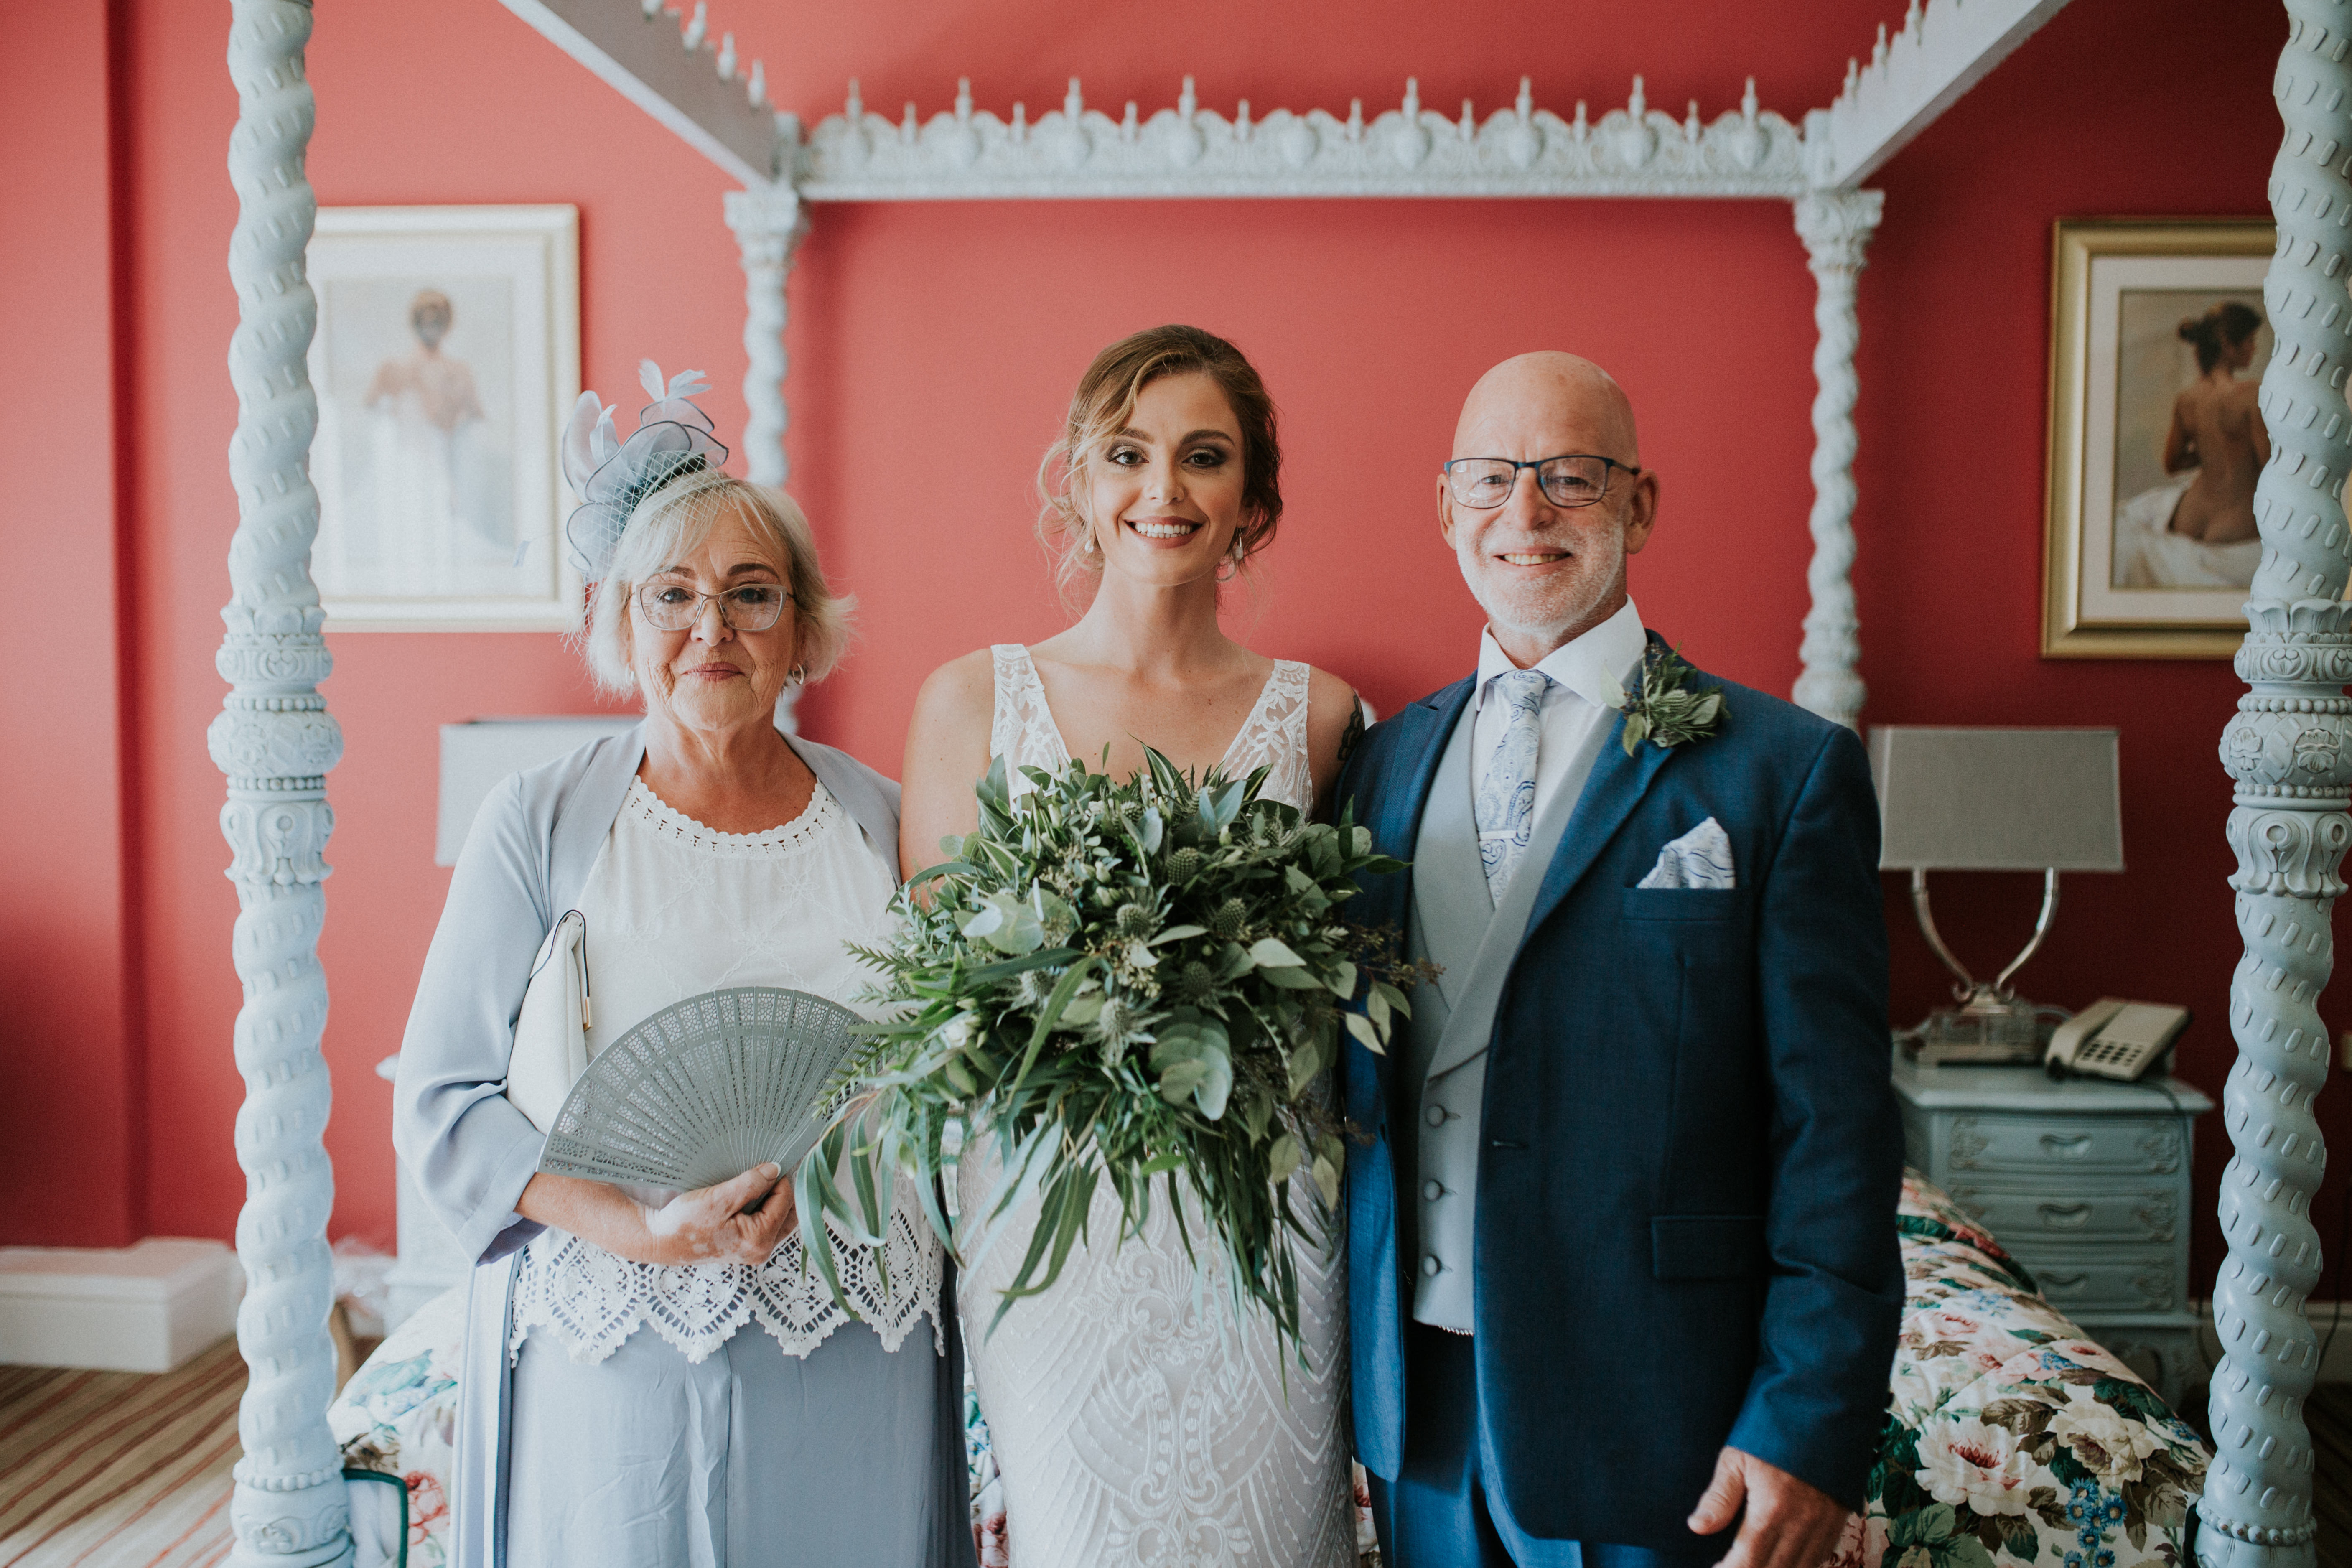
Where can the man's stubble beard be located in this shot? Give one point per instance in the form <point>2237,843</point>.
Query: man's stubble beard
<point>1589,592</point>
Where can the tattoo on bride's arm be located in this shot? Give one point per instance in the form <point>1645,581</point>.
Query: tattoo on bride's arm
<point>1355,731</point>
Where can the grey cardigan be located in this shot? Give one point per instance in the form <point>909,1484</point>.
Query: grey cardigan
<point>525,862</point>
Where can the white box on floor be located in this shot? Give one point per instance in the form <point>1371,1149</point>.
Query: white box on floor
<point>147,1308</point>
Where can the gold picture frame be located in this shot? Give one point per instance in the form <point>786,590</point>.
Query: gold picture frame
<point>2117,582</point>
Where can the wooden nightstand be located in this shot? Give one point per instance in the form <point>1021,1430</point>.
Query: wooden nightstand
<point>2085,1181</point>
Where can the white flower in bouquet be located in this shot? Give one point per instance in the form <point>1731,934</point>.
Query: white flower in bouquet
<point>1121,982</point>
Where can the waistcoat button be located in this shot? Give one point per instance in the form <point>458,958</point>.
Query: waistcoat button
<point>1430,1266</point>
<point>1436,1116</point>
<point>1433,1191</point>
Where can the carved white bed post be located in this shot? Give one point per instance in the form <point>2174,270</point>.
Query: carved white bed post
<point>275,742</point>
<point>2287,750</point>
<point>768,224</point>
<point>1836,226</point>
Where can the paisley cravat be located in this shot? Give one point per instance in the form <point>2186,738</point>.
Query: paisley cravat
<point>1507,791</point>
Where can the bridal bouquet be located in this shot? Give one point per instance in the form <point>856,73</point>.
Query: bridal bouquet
<point>1120,981</point>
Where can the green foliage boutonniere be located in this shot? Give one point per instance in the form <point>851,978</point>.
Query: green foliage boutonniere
<point>1666,712</point>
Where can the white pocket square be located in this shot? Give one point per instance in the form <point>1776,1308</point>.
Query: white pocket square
<point>1699,858</point>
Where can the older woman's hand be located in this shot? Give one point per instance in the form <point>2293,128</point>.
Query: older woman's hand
<point>741,1221</point>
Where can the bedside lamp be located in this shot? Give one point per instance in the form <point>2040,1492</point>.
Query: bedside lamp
<point>1993,800</point>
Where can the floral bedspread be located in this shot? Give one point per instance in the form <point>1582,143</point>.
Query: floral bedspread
<point>398,1417</point>
<point>2009,1438</point>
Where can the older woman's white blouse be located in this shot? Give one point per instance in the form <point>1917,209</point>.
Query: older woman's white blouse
<point>673,909</point>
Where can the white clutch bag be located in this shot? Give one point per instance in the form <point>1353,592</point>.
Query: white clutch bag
<point>550,1046</point>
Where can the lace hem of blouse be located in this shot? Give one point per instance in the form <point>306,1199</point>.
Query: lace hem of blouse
<point>590,1300</point>
<point>784,839</point>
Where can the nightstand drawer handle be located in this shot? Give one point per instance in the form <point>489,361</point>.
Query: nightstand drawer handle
<point>2064,1281</point>
<point>2060,1147</point>
<point>2064,1216</point>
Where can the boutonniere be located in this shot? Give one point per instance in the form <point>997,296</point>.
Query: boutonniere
<point>1666,712</point>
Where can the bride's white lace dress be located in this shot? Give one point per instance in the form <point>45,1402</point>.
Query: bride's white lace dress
<point>1136,1418</point>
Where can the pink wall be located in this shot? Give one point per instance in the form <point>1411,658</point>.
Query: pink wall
<point>931,349</point>
<point>72,1121</point>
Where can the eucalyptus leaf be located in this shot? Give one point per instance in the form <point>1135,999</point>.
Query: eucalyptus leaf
<point>1272,952</point>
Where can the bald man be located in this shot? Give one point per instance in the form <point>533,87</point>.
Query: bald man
<point>1622,1246</point>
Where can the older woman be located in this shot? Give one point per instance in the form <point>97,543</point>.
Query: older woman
<point>652,1378</point>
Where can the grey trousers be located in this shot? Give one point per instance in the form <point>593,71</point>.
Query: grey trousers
<point>747,1460</point>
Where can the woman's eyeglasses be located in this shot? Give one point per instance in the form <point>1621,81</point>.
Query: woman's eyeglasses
<point>749,607</point>
<point>1573,480</point>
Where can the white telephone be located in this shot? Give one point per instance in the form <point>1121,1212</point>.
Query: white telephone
<point>2115,1038</point>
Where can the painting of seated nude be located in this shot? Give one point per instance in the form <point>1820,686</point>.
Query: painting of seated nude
<point>447,345</point>
<point>2156,438</point>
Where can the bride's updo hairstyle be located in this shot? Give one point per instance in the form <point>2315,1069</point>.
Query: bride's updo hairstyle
<point>1101,408</point>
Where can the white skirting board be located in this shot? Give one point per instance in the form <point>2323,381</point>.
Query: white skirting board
<point>147,1308</point>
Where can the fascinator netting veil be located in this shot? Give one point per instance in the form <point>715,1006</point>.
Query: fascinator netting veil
<point>612,476</point>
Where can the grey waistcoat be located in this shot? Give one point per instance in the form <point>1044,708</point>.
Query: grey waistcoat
<point>1458,924</point>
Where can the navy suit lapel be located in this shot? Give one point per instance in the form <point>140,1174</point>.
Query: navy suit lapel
<point>1402,793</point>
<point>1415,773</point>
<point>1609,796</point>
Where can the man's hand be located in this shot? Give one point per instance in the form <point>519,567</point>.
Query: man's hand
<point>1789,1524</point>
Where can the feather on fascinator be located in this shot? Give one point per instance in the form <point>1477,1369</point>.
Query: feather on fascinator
<point>611,476</point>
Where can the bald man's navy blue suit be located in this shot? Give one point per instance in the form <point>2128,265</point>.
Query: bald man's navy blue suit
<point>1685,1210</point>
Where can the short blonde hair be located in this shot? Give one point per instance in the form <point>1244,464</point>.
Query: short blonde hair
<point>672,522</point>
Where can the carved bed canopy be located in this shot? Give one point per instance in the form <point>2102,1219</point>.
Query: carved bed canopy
<point>276,743</point>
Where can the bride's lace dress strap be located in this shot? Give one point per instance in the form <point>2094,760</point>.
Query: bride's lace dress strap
<point>1021,727</point>
<point>1274,736</point>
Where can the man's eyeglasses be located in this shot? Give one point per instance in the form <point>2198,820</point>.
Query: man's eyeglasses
<point>1571,479</point>
<point>674,607</point>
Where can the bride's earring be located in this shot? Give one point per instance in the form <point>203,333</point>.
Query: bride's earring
<point>799,675</point>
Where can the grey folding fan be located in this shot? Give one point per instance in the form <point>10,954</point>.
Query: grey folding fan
<point>704,1090</point>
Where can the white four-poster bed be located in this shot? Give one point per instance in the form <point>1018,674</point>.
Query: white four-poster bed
<point>2286,747</point>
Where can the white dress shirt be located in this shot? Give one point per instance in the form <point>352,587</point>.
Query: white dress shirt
<point>1586,673</point>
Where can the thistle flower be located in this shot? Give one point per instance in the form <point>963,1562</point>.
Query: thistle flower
<point>1119,1024</point>
<point>1196,982</point>
<point>1226,921</point>
<point>1185,864</point>
<point>1137,921</point>
<point>1032,986</point>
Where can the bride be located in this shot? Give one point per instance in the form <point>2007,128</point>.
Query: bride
<point>1134,1420</point>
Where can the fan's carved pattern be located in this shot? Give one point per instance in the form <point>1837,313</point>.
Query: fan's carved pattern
<point>2286,749</point>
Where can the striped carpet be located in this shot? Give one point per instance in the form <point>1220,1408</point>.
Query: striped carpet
<point>117,1469</point>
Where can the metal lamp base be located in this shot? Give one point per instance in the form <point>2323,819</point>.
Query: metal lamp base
<point>1991,1024</point>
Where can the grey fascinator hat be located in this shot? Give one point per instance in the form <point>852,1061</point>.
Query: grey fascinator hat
<point>611,476</point>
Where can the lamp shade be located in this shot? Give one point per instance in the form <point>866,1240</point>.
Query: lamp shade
<point>1997,800</point>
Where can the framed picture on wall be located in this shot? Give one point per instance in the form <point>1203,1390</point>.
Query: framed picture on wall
<point>446,356</point>
<point>2157,341</point>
